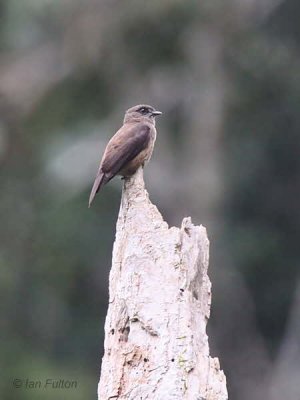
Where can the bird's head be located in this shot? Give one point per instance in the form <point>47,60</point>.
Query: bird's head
<point>140,112</point>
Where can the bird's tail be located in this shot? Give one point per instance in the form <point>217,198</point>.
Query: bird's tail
<point>99,181</point>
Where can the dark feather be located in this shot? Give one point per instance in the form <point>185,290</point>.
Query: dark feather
<point>124,146</point>
<point>127,144</point>
<point>99,181</point>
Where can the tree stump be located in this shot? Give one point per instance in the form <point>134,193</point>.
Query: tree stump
<point>156,346</point>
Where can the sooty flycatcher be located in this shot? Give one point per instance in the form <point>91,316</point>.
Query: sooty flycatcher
<point>130,148</point>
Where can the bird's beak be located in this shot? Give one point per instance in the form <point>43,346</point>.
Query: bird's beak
<point>155,113</point>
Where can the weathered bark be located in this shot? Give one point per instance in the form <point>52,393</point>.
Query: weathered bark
<point>156,345</point>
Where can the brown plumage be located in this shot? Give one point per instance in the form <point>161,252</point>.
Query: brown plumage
<point>129,148</point>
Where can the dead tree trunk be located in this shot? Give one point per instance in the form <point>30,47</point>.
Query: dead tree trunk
<point>156,346</point>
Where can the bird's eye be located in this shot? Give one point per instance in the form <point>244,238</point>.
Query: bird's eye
<point>143,110</point>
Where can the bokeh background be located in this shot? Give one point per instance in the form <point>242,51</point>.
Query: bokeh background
<point>227,77</point>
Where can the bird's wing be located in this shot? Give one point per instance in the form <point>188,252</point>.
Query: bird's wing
<point>123,147</point>
<point>127,143</point>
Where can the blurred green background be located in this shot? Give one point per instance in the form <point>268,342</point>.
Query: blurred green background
<point>227,77</point>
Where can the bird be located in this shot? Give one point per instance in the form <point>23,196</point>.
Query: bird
<point>130,148</point>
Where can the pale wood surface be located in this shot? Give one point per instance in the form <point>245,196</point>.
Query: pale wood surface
<point>156,346</point>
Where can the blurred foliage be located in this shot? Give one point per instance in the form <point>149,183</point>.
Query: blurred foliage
<point>227,80</point>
